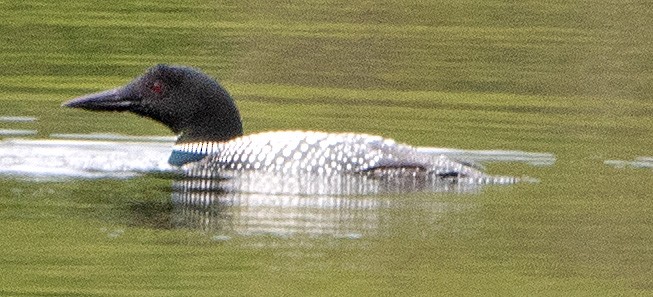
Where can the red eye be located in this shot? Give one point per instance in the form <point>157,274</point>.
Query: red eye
<point>156,87</point>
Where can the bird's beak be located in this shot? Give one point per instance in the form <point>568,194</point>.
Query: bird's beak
<point>118,99</point>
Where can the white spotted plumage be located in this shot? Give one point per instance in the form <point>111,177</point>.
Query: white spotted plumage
<point>296,152</point>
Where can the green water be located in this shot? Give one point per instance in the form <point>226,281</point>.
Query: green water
<point>569,78</point>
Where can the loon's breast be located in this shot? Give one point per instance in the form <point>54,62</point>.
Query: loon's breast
<point>297,152</point>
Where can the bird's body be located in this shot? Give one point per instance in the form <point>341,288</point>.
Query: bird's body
<point>301,152</point>
<point>210,133</point>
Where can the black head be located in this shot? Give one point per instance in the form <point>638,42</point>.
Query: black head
<point>186,100</point>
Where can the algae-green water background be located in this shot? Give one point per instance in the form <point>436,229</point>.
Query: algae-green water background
<point>572,78</point>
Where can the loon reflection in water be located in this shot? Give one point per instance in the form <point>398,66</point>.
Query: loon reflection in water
<point>256,182</point>
<point>211,140</point>
<point>348,217</point>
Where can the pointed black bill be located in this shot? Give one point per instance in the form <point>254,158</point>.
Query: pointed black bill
<point>118,99</point>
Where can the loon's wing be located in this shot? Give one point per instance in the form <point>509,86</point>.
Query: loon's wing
<point>399,159</point>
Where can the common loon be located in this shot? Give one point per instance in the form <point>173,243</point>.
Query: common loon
<point>208,123</point>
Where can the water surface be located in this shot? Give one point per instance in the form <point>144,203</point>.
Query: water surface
<point>570,81</point>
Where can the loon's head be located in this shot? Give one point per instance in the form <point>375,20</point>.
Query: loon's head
<point>189,102</point>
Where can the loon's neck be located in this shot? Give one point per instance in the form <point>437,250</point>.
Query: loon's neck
<point>217,121</point>
<point>196,139</point>
<point>211,129</point>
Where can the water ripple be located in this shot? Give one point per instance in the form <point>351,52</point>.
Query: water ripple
<point>52,159</point>
<point>638,162</point>
<point>17,119</point>
<point>17,132</point>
